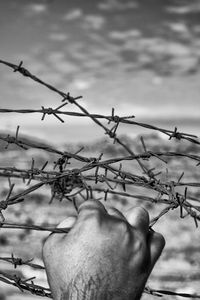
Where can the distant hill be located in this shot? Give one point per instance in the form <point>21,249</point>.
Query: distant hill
<point>153,142</point>
<point>23,138</point>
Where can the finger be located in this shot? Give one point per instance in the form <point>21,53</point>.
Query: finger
<point>90,206</point>
<point>116,213</point>
<point>76,203</point>
<point>67,223</point>
<point>138,217</point>
<point>156,243</point>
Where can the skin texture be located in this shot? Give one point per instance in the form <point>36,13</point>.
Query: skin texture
<point>105,255</point>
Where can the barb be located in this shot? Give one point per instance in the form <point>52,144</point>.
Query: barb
<point>161,293</point>
<point>25,285</point>
<point>17,261</point>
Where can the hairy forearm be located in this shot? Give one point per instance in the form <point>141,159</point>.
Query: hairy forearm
<point>96,290</point>
<point>92,289</point>
<point>92,294</point>
<point>87,293</point>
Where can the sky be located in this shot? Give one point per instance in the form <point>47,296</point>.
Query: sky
<point>140,57</point>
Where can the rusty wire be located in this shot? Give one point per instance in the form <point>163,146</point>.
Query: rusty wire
<point>96,178</point>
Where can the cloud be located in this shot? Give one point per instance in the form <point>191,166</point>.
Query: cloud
<point>185,9</point>
<point>177,49</point>
<point>123,35</point>
<point>117,5</point>
<point>53,78</point>
<point>95,22</point>
<point>178,27</point>
<point>56,56</point>
<point>35,8</point>
<point>97,58</point>
<point>184,64</point>
<point>162,111</point>
<point>59,62</point>
<point>73,15</point>
<point>66,67</point>
<point>196,29</point>
<point>157,46</point>
<point>82,84</point>
<point>58,37</point>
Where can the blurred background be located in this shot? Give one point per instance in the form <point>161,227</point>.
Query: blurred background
<point>141,57</point>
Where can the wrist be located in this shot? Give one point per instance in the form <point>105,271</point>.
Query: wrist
<point>95,289</point>
<point>88,289</point>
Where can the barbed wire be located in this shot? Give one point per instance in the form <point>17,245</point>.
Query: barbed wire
<point>96,178</point>
<point>25,285</point>
<point>111,118</point>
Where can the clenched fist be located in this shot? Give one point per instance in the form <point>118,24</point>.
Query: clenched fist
<point>106,255</point>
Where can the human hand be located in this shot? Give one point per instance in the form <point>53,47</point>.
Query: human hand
<point>105,255</point>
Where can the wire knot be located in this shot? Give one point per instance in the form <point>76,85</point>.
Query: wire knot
<point>17,261</point>
<point>112,134</point>
<point>116,119</point>
<point>21,70</point>
<point>177,135</point>
<point>49,111</point>
<point>11,139</point>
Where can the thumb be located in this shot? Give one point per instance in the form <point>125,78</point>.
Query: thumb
<point>67,223</point>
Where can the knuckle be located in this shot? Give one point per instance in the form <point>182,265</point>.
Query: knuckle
<point>139,241</point>
<point>67,223</point>
<point>161,240</point>
<point>138,215</point>
<point>50,243</point>
<point>142,212</point>
<point>122,226</point>
<point>89,204</point>
<point>138,244</point>
<point>93,216</point>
